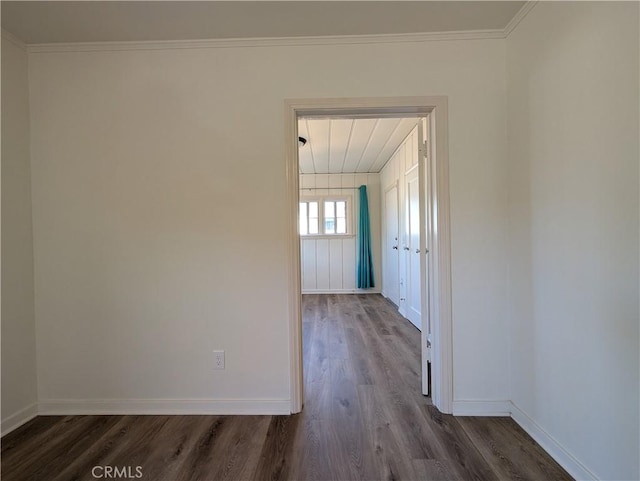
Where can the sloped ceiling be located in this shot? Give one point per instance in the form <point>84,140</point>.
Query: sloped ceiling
<point>337,146</point>
<point>110,21</point>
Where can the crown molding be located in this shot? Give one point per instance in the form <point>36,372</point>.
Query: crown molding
<point>517,18</point>
<point>273,41</point>
<point>9,37</point>
<point>265,42</point>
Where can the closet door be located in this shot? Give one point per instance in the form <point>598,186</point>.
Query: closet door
<point>391,268</point>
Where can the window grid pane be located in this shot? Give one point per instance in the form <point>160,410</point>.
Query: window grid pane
<point>332,220</point>
<point>302,222</point>
<point>313,209</point>
<point>308,222</point>
<point>313,225</point>
<point>330,226</point>
<point>329,210</point>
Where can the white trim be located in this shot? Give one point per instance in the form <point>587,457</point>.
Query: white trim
<point>563,457</point>
<point>413,167</point>
<point>442,365</point>
<point>425,229</point>
<point>326,236</point>
<point>342,291</point>
<point>265,41</point>
<point>441,313</point>
<point>517,18</point>
<point>19,418</point>
<point>6,35</point>
<point>79,407</point>
<point>481,408</point>
<point>294,291</point>
<point>487,34</point>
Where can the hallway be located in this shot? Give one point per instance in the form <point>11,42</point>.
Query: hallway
<point>369,420</point>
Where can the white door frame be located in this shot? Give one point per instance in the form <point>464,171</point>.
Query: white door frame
<point>440,253</point>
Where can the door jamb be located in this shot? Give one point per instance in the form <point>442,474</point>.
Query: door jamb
<point>440,252</point>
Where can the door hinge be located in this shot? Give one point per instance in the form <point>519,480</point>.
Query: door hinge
<point>424,149</point>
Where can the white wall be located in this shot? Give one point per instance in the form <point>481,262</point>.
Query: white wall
<point>159,212</point>
<point>18,324</point>
<point>573,232</point>
<point>329,265</point>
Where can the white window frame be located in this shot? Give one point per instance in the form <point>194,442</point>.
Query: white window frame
<point>321,199</point>
<point>307,200</point>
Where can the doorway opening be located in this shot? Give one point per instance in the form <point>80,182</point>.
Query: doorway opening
<point>408,185</point>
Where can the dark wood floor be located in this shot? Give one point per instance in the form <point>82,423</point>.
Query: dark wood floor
<point>364,419</point>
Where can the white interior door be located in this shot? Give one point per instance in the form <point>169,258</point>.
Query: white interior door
<point>412,248</point>
<point>391,270</point>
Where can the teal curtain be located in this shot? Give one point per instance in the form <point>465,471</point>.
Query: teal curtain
<point>365,261</point>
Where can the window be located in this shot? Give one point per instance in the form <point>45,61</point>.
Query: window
<point>326,216</point>
<point>309,217</point>
<point>335,216</point>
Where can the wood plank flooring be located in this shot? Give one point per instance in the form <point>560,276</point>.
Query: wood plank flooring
<point>363,419</point>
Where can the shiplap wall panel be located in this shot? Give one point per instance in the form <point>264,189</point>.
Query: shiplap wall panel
<point>381,134</point>
<point>338,143</point>
<point>322,264</point>
<point>396,139</point>
<point>335,264</point>
<point>329,265</point>
<point>387,147</point>
<point>320,131</point>
<point>305,157</point>
<point>360,136</point>
<point>308,264</point>
<point>349,244</point>
<point>349,263</point>
<point>335,182</point>
<point>362,179</point>
<point>350,145</point>
<point>348,180</point>
<point>307,181</point>
<point>322,183</point>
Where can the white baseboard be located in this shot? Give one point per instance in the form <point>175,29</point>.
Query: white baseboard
<point>278,407</point>
<point>565,459</point>
<point>164,406</point>
<point>481,408</point>
<point>340,291</point>
<point>16,420</point>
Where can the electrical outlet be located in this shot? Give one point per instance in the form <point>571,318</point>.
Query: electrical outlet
<point>218,359</point>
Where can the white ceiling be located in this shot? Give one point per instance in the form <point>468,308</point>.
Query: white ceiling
<point>95,21</point>
<point>337,146</point>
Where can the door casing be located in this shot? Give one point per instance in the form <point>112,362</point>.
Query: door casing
<point>436,173</point>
